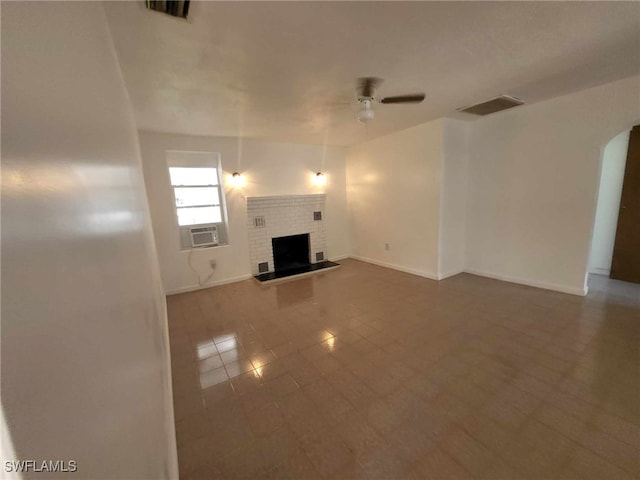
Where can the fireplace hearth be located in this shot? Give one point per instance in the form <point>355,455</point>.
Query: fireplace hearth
<point>291,258</point>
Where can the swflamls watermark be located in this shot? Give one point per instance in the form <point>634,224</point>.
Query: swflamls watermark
<point>38,466</point>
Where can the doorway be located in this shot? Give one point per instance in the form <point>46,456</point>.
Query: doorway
<point>614,251</point>
<point>625,264</point>
<point>614,159</point>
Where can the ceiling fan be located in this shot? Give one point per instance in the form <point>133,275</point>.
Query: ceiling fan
<point>365,94</point>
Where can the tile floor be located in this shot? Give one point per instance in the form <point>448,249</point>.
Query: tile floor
<point>366,372</point>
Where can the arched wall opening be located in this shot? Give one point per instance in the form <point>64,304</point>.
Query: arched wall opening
<point>613,141</point>
<point>614,159</point>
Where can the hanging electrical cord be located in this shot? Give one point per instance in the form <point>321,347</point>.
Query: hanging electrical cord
<point>195,272</point>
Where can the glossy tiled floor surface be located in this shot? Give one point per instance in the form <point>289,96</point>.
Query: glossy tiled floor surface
<point>365,372</point>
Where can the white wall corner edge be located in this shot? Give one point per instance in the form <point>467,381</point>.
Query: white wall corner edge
<point>530,283</point>
<point>450,273</point>
<point>393,266</point>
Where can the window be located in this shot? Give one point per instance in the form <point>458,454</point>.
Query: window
<point>198,198</point>
<point>197,195</point>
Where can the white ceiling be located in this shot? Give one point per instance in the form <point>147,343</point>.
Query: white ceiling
<point>286,70</point>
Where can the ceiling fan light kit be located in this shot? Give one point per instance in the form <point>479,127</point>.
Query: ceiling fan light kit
<point>366,114</point>
<point>365,95</point>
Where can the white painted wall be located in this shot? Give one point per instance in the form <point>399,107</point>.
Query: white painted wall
<point>453,201</point>
<point>614,160</point>
<point>85,364</point>
<point>269,169</point>
<point>393,191</point>
<point>533,182</point>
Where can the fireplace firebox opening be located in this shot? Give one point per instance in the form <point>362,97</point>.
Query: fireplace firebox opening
<point>290,252</point>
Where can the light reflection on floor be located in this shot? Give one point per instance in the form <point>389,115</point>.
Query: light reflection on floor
<point>223,359</point>
<point>365,372</point>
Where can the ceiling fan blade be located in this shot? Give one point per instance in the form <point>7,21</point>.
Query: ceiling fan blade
<point>367,85</point>
<point>413,98</point>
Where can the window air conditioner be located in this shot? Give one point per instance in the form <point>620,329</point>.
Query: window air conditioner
<point>204,236</point>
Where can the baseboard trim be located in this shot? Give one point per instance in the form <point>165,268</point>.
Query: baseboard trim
<point>530,283</point>
<point>193,288</point>
<point>600,271</point>
<point>421,273</point>
<point>450,273</point>
<point>339,257</point>
<point>412,271</point>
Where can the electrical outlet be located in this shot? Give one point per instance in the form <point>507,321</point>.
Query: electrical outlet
<point>386,246</point>
<point>212,264</point>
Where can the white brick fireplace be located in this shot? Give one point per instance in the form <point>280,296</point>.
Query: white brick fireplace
<point>281,216</point>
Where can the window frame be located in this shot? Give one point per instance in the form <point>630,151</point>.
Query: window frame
<point>202,185</point>
<point>191,159</point>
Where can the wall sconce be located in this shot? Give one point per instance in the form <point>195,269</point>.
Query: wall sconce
<point>319,179</point>
<point>237,180</point>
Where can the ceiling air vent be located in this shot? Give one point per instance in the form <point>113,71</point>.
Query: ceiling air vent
<point>503,102</point>
<point>178,8</point>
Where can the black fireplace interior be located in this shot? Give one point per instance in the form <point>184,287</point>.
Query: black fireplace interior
<point>291,257</point>
<point>290,252</point>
